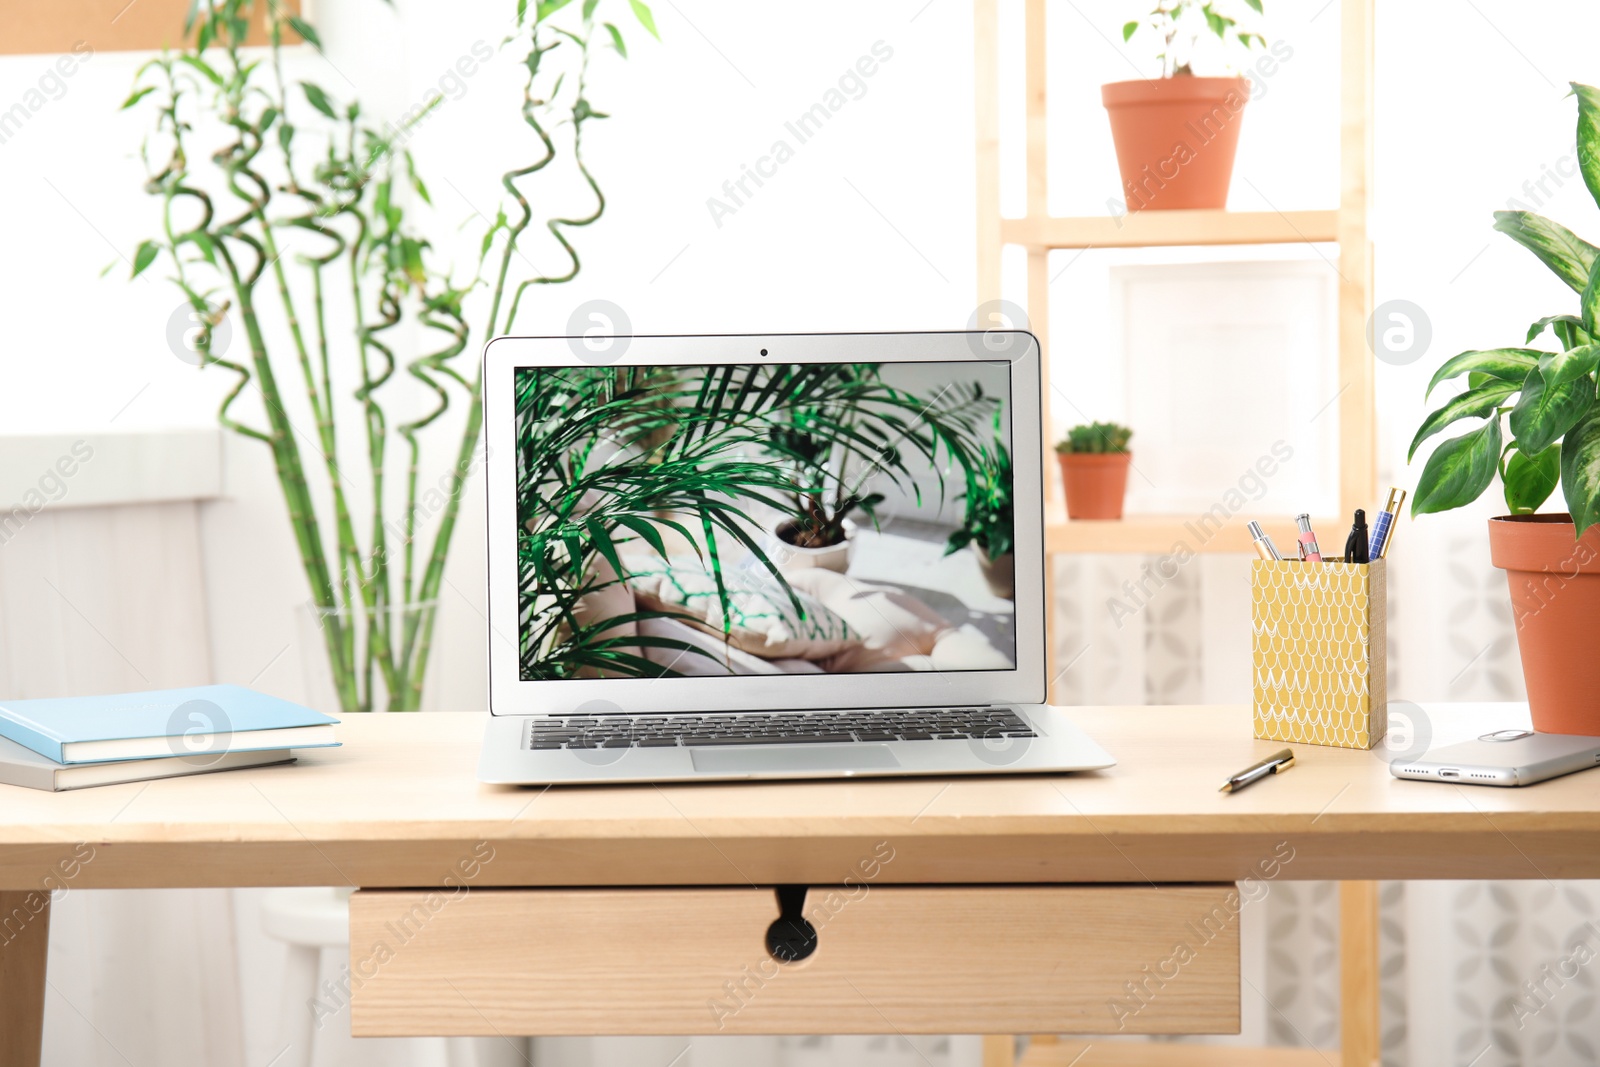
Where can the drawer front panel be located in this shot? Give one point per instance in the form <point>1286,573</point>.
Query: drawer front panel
<point>906,959</point>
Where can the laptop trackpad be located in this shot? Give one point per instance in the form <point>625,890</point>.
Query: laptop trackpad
<point>753,760</point>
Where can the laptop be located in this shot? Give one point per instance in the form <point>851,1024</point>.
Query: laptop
<point>767,556</point>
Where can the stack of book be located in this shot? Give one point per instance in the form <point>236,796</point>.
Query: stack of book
<point>73,742</point>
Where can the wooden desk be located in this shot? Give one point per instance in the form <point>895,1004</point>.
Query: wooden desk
<point>399,807</point>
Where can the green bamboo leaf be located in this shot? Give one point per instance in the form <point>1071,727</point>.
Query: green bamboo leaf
<point>1580,471</point>
<point>1558,368</point>
<point>202,241</point>
<point>1474,403</point>
<point>588,9</point>
<point>642,12</point>
<point>1129,29</point>
<point>522,11</point>
<point>144,256</point>
<point>319,100</point>
<point>1529,480</point>
<point>1255,5</point>
<point>1459,470</point>
<point>1511,364</point>
<point>548,8</point>
<point>136,96</point>
<point>616,40</point>
<point>1564,252</point>
<point>203,67</point>
<point>1589,136</point>
<point>1545,412</point>
<point>303,28</point>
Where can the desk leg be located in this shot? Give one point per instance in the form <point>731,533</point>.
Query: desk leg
<point>24,945</point>
<point>1359,1035</point>
<point>999,1050</point>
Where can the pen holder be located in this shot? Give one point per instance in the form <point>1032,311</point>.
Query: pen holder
<point>1319,647</point>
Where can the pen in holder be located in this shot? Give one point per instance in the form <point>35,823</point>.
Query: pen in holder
<point>1319,649</point>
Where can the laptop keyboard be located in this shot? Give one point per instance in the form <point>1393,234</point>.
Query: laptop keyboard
<point>774,728</point>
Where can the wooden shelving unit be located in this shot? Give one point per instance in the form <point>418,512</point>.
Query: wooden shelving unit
<point>1039,233</point>
<point>1163,229</point>
<point>1078,1053</point>
<point>1158,535</point>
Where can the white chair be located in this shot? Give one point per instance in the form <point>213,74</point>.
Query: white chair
<point>315,918</point>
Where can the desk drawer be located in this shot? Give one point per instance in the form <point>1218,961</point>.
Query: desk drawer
<point>908,959</point>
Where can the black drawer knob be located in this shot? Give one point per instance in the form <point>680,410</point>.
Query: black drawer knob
<point>791,938</point>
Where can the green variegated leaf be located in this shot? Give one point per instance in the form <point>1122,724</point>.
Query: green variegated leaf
<point>1564,252</point>
<point>1511,364</point>
<point>1580,471</point>
<point>1545,412</point>
<point>1567,327</point>
<point>1474,403</point>
<point>1560,367</point>
<point>1589,136</point>
<point>1529,480</point>
<point>1459,470</point>
<point>1590,304</point>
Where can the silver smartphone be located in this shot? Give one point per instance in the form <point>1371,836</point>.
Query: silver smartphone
<point>1505,757</point>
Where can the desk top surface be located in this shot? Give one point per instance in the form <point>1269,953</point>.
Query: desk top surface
<point>399,804</point>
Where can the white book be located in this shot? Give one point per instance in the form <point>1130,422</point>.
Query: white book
<point>23,766</point>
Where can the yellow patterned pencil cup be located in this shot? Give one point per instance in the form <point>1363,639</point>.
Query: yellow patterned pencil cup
<point>1319,638</point>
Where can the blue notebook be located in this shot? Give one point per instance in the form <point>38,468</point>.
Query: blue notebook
<point>203,722</point>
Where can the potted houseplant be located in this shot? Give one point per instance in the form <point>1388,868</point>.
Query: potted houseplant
<point>1094,468</point>
<point>988,525</point>
<point>835,440</point>
<point>1176,135</point>
<point>1540,429</point>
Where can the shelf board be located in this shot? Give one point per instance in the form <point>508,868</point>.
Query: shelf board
<point>1153,229</point>
<point>1149,1054</point>
<point>1161,534</point>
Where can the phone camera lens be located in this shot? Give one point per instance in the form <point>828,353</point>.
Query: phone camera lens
<point>763,351</point>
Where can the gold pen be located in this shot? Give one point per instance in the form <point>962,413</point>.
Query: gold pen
<point>1276,763</point>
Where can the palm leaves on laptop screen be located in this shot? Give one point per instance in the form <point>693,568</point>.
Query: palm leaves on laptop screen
<point>618,460</point>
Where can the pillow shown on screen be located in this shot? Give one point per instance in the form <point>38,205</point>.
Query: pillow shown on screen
<point>762,618</point>
<point>719,660</point>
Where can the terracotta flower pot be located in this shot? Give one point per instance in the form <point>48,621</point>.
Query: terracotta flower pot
<point>1176,139</point>
<point>1555,599</point>
<point>1095,483</point>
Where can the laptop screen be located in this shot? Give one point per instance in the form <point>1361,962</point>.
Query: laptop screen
<point>764,519</point>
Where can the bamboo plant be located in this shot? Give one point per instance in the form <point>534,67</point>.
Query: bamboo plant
<point>295,163</point>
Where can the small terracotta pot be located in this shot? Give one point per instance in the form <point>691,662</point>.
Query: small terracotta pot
<point>1095,482</point>
<point>1176,139</point>
<point>1555,599</point>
